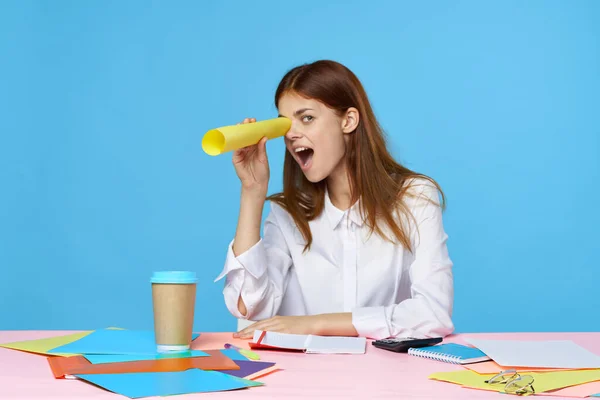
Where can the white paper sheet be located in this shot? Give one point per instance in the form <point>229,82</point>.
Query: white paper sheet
<point>539,354</point>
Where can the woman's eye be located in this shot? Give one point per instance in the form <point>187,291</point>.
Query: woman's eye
<point>307,118</point>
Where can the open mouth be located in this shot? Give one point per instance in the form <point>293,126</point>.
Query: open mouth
<point>304,155</point>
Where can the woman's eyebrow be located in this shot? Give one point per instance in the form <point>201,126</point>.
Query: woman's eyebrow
<point>300,111</point>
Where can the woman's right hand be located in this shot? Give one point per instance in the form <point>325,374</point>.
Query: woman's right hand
<point>252,166</point>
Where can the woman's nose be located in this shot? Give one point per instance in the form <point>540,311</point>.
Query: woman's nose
<point>293,134</point>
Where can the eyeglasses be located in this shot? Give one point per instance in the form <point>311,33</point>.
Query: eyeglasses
<point>513,382</point>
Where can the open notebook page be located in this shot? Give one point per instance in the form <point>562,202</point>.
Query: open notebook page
<point>282,340</point>
<point>335,344</point>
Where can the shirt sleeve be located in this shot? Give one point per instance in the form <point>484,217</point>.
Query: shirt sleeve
<point>428,312</point>
<point>260,275</point>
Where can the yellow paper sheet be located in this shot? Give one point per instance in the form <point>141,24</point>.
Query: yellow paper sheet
<point>490,367</point>
<point>543,381</point>
<point>42,346</point>
<point>233,137</point>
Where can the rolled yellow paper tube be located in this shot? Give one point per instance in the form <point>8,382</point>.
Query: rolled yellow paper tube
<point>233,137</point>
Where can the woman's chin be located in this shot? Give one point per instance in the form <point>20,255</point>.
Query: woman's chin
<point>313,177</point>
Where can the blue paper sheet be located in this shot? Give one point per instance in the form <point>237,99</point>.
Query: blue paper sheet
<point>234,355</point>
<point>108,341</point>
<point>136,385</point>
<point>112,358</point>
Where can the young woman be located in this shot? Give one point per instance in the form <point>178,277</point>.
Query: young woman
<point>355,244</point>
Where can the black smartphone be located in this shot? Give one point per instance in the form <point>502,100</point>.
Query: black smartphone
<point>401,345</point>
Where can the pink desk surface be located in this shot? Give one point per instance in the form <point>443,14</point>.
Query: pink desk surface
<point>378,374</point>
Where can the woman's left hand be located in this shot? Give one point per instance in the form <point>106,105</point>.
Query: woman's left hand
<point>302,325</point>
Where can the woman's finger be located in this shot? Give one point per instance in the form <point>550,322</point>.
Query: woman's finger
<point>244,335</point>
<point>248,332</point>
<point>239,155</point>
<point>262,150</point>
<point>249,329</point>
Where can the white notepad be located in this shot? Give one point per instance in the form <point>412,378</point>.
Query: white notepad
<point>538,354</point>
<point>313,344</point>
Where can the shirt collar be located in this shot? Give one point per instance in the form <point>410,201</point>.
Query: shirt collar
<point>335,215</point>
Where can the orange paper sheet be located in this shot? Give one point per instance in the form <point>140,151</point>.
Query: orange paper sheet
<point>62,366</point>
<point>214,340</point>
<point>581,391</point>
<point>262,373</point>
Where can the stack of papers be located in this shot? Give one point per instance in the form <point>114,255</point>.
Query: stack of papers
<point>126,362</point>
<point>558,367</point>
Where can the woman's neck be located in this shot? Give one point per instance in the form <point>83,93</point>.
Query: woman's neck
<point>338,187</point>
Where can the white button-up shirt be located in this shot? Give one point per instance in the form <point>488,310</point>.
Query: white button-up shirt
<point>390,291</point>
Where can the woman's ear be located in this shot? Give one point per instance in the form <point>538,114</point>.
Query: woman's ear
<point>350,120</point>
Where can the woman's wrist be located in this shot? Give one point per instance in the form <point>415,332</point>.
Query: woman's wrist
<point>255,193</point>
<point>248,228</point>
<point>319,324</point>
<point>251,208</point>
<point>336,324</point>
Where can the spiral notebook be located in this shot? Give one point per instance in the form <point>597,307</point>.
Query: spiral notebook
<point>451,353</point>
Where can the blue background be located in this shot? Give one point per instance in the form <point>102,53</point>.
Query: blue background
<point>103,180</point>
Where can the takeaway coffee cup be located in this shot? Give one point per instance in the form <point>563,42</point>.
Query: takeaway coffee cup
<point>173,300</point>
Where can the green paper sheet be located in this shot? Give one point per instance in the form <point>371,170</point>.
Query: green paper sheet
<point>43,346</point>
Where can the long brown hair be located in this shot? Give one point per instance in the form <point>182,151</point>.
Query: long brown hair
<point>375,177</point>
